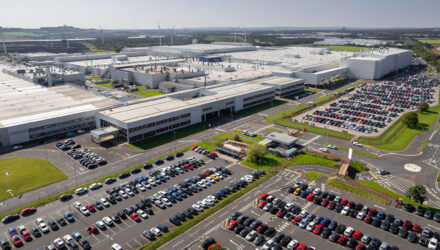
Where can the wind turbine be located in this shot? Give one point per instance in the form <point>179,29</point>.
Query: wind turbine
<point>172,32</point>
<point>102,35</point>
<point>4,43</point>
<point>235,34</point>
<point>160,35</point>
<point>51,40</point>
<point>67,40</point>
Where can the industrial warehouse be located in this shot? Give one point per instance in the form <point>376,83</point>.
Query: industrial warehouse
<point>200,82</point>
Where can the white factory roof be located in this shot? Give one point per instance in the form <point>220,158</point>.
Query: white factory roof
<point>156,107</point>
<point>23,102</point>
<point>109,61</point>
<point>376,54</point>
<point>291,56</point>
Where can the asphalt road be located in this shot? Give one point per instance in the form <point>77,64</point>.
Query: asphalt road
<point>215,225</point>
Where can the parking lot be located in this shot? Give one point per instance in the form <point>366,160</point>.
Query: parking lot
<point>127,233</point>
<point>373,107</point>
<point>277,186</point>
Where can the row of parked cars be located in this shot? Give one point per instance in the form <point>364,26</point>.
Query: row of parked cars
<point>200,150</point>
<point>87,158</point>
<point>387,222</point>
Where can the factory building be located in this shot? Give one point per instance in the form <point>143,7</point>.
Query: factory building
<point>29,111</point>
<point>376,63</point>
<point>162,114</point>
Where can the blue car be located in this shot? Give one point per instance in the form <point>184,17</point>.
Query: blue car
<point>158,162</point>
<point>304,186</point>
<point>381,215</point>
<point>69,217</point>
<point>12,231</point>
<point>171,198</point>
<point>325,222</point>
<point>304,194</point>
<point>169,158</point>
<point>178,197</point>
<point>162,179</point>
<point>144,178</point>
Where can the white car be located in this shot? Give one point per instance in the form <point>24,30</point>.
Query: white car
<point>67,238</point>
<point>357,144</point>
<point>142,214</point>
<point>206,201</point>
<point>77,205</point>
<point>197,207</point>
<point>43,227</point>
<point>81,191</point>
<point>59,243</point>
<point>129,192</point>
<point>317,191</point>
<point>251,235</point>
<point>292,244</point>
<point>140,187</point>
<point>331,146</point>
<point>100,224</point>
<point>107,221</point>
<point>210,179</point>
<point>268,245</point>
<point>105,202</point>
<point>95,186</point>
<point>116,246</point>
<point>345,210</point>
<point>348,232</point>
<point>323,149</point>
<point>156,231</point>
<point>167,202</point>
<point>433,243</point>
<point>202,184</point>
<point>310,226</point>
<point>303,213</point>
<point>123,194</point>
<point>212,198</point>
<point>360,215</point>
<point>84,211</point>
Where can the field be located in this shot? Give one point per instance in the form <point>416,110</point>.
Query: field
<point>347,48</point>
<point>148,93</point>
<point>107,85</point>
<point>20,33</point>
<point>430,41</point>
<point>26,174</point>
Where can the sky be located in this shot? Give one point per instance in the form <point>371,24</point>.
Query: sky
<point>145,14</point>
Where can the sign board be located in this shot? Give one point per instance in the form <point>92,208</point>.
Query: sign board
<point>350,153</point>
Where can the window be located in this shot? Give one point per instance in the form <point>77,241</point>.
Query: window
<point>162,130</point>
<point>149,125</point>
<point>185,115</point>
<point>207,109</point>
<point>131,130</point>
<point>149,134</point>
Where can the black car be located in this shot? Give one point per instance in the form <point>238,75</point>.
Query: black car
<point>245,232</point>
<point>175,221</point>
<point>409,207</point>
<point>53,225</point>
<point>376,222</point>
<point>270,232</point>
<point>179,154</point>
<point>385,225</point>
<point>403,232</point>
<point>242,218</point>
<point>340,228</point>
<point>278,237</point>
<point>115,218</point>
<point>149,235</point>
<point>5,245</point>
<point>98,205</point>
<point>181,216</point>
<point>111,199</point>
<point>326,233</point>
<point>188,214</point>
<point>61,221</point>
<point>334,237</point>
<point>109,181</point>
<point>121,214</point>
<point>136,170</point>
<point>163,228</point>
<point>394,229</point>
<point>412,237</point>
<point>238,229</point>
<point>148,166</point>
<point>193,211</point>
<point>375,242</point>
<point>437,217</point>
<point>285,241</point>
<point>352,243</point>
<point>423,240</point>
<point>255,224</point>
<point>248,221</point>
<point>428,214</point>
<point>36,232</point>
<point>124,175</point>
<point>66,197</point>
<point>259,240</point>
<point>84,243</point>
<point>235,215</point>
<point>420,211</point>
<point>149,211</point>
<point>10,218</point>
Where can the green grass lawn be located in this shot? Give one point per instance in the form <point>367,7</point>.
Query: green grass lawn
<point>313,89</point>
<point>27,174</point>
<point>268,162</point>
<point>355,84</point>
<point>107,85</point>
<point>274,130</point>
<point>141,88</point>
<point>425,143</point>
<point>314,175</point>
<point>168,137</point>
<point>257,138</point>
<point>148,93</point>
<point>398,136</point>
<point>429,41</point>
<point>310,158</point>
<point>358,152</point>
<point>261,107</point>
<point>95,78</point>
<point>313,129</point>
<point>347,48</point>
<point>351,189</point>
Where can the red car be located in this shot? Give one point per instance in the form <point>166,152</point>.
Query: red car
<point>262,228</point>
<point>264,196</point>
<point>317,200</point>
<point>28,211</point>
<point>302,246</point>
<point>324,202</point>
<point>92,229</point>
<point>317,229</point>
<point>188,166</point>
<point>367,219</point>
<point>331,205</point>
<point>342,240</point>
<point>90,207</point>
<point>344,202</point>
<point>262,204</point>
<point>194,147</point>
<point>357,235</point>
<point>214,154</point>
<point>360,246</point>
<point>407,224</point>
<point>372,211</point>
<point>417,228</point>
<point>16,240</point>
<point>232,225</point>
<point>281,213</point>
<point>310,197</point>
<point>135,217</point>
<point>297,220</point>
<point>205,174</point>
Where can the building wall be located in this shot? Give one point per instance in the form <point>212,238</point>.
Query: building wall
<point>364,69</point>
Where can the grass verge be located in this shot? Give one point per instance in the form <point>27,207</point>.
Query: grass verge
<point>176,231</point>
<point>313,129</point>
<point>424,145</point>
<point>261,107</point>
<point>314,175</point>
<point>257,137</point>
<point>354,190</point>
<point>268,162</point>
<point>107,85</point>
<point>359,152</point>
<point>274,130</point>
<point>26,174</point>
<point>148,93</point>
<point>309,158</point>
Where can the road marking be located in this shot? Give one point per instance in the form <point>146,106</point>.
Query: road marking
<point>379,207</point>
<point>434,226</point>
<point>178,243</point>
<point>312,140</point>
<point>373,175</point>
<point>295,172</point>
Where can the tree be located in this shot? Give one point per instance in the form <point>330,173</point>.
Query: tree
<point>255,151</point>
<point>236,138</point>
<point>410,119</point>
<point>423,107</point>
<point>417,193</point>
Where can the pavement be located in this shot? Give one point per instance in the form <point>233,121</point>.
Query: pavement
<point>277,185</point>
<point>127,233</point>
